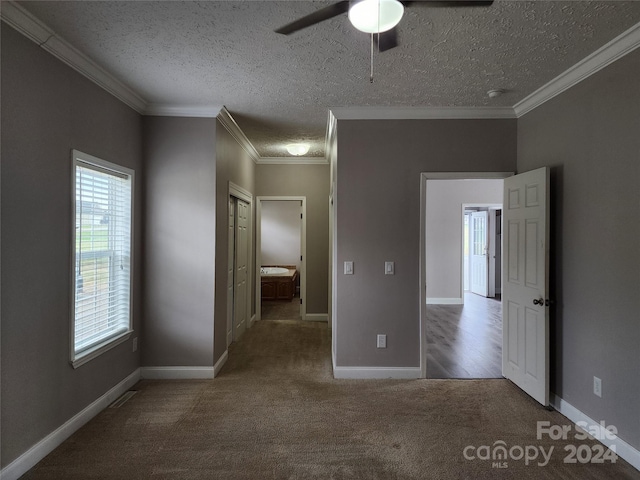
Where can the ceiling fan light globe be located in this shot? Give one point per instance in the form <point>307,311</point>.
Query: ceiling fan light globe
<point>375,16</point>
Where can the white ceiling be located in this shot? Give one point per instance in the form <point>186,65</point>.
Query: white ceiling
<point>279,88</point>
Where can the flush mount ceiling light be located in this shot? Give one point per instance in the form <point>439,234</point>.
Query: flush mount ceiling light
<point>375,16</point>
<point>297,149</point>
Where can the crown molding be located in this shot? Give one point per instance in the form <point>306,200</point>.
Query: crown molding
<point>32,28</point>
<point>331,133</point>
<point>20,19</point>
<point>604,56</point>
<point>236,132</point>
<point>292,161</point>
<point>163,110</point>
<point>420,113</point>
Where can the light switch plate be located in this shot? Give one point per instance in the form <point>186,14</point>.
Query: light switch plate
<point>389,268</point>
<point>381,341</point>
<point>348,268</point>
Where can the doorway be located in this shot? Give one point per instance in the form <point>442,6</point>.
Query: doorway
<point>463,330</point>
<point>281,258</point>
<point>482,252</point>
<point>525,276</point>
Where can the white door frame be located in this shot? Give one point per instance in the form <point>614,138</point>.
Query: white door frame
<point>303,251</point>
<point>423,253</point>
<point>494,249</point>
<point>246,196</point>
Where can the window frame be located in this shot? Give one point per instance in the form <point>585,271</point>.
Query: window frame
<point>80,358</point>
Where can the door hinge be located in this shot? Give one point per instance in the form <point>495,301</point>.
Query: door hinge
<point>300,257</point>
<point>300,215</point>
<point>300,301</point>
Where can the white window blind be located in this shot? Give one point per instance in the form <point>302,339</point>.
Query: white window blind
<point>102,253</point>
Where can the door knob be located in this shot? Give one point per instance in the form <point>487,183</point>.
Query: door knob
<point>538,301</point>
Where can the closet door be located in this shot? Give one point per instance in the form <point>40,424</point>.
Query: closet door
<point>231,268</point>
<point>241,269</point>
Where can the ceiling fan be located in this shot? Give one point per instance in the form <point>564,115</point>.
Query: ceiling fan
<point>374,16</point>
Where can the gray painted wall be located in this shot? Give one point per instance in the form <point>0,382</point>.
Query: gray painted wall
<point>180,247</point>
<point>189,163</point>
<point>589,136</point>
<point>233,164</point>
<point>48,109</point>
<point>311,181</point>
<point>378,219</point>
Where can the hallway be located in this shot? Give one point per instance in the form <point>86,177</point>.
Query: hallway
<point>465,341</point>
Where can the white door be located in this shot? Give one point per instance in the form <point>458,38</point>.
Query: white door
<point>525,283</point>
<point>230,269</point>
<point>479,253</point>
<point>241,269</point>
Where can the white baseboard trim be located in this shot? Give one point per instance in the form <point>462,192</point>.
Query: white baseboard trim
<point>44,447</point>
<point>176,373</point>
<point>445,301</point>
<point>317,317</point>
<point>622,448</point>
<point>377,372</point>
<point>220,363</point>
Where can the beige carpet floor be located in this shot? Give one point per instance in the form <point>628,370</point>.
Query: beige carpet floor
<point>281,309</point>
<point>275,412</point>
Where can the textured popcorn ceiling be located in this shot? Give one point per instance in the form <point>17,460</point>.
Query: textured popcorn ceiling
<point>280,88</point>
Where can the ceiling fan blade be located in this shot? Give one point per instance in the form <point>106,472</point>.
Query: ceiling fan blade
<point>315,17</point>
<point>449,3</point>
<point>386,40</point>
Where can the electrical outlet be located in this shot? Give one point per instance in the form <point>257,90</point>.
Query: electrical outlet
<point>382,341</point>
<point>389,268</point>
<point>135,344</point>
<point>597,386</point>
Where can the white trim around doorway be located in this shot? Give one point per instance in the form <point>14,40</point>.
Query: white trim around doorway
<point>303,252</point>
<point>423,242</point>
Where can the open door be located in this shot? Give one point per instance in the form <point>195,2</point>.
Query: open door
<point>525,283</point>
<point>479,253</point>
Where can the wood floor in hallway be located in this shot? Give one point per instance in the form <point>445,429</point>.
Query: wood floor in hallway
<point>465,341</point>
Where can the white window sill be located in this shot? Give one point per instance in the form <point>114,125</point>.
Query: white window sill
<point>99,349</point>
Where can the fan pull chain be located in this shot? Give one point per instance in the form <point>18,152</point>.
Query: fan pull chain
<point>371,74</point>
<point>379,11</point>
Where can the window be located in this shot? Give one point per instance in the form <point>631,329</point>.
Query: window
<point>102,256</point>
